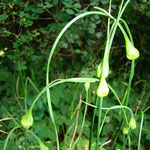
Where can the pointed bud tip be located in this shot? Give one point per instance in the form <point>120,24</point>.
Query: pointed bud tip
<point>27,120</point>
<point>125,130</point>
<point>102,89</point>
<point>131,52</point>
<point>132,123</point>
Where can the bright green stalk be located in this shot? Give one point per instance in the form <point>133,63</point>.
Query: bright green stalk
<point>99,121</point>
<point>111,108</point>
<point>118,101</point>
<point>129,143</point>
<point>8,136</point>
<point>26,138</point>
<point>141,126</point>
<point>92,125</point>
<point>49,61</point>
<point>128,136</point>
<point>106,58</point>
<point>26,108</point>
<point>130,81</point>
<point>60,81</point>
<point>34,135</point>
<point>146,109</point>
<point>108,47</point>
<point>128,30</point>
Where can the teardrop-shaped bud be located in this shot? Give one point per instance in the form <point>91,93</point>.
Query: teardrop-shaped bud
<point>131,52</point>
<point>87,86</point>
<point>125,130</point>
<point>27,120</point>
<point>43,146</point>
<point>102,89</point>
<point>99,69</point>
<point>132,123</point>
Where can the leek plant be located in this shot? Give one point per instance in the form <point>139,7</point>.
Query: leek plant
<point>103,87</point>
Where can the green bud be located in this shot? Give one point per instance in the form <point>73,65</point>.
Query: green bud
<point>131,52</point>
<point>132,123</point>
<point>27,120</point>
<point>43,146</point>
<point>87,86</point>
<point>2,53</point>
<point>99,69</point>
<point>102,89</point>
<point>125,130</point>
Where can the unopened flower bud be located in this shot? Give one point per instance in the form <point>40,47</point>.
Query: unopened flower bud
<point>102,89</point>
<point>99,69</point>
<point>125,130</point>
<point>131,52</point>
<point>132,123</point>
<point>43,146</point>
<point>87,86</point>
<point>27,120</point>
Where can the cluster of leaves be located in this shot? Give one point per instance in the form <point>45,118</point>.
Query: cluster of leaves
<point>28,30</point>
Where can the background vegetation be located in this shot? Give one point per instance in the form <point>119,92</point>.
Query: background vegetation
<point>27,31</point>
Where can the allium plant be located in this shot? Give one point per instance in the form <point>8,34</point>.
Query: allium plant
<point>103,87</point>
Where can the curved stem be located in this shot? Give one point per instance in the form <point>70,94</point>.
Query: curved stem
<point>34,135</point>
<point>60,81</point>
<point>111,108</point>
<point>63,31</point>
<point>5,145</point>
<point>118,101</point>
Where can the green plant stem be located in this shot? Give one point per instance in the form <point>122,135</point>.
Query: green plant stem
<point>26,141</point>
<point>129,84</point>
<point>92,124</point>
<point>118,101</point>
<point>129,143</point>
<point>34,135</point>
<point>8,136</point>
<point>140,133</point>
<point>111,108</point>
<point>49,61</point>
<point>99,121</point>
<point>60,81</point>
<point>125,141</point>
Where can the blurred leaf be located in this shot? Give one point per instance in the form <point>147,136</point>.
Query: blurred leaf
<point>3,17</point>
<point>70,11</point>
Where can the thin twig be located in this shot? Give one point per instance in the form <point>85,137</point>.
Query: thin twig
<point>75,130</point>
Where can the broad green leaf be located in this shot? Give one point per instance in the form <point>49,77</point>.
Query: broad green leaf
<point>70,11</point>
<point>77,5</point>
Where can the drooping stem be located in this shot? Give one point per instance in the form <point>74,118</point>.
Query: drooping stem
<point>48,66</point>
